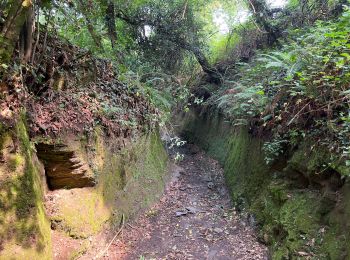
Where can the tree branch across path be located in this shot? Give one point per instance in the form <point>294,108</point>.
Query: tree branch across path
<point>174,33</point>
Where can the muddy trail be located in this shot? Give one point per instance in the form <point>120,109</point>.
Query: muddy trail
<point>193,220</point>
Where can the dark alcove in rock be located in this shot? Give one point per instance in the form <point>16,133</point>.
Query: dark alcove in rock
<point>64,168</point>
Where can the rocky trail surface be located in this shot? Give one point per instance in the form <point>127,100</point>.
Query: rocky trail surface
<point>193,220</point>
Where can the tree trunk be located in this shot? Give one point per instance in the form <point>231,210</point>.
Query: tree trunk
<point>110,23</point>
<point>26,36</point>
<point>262,17</point>
<point>10,33</point>
<point>212,72</point>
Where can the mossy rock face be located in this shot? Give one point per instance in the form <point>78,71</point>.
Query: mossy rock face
<point>135,178</point>
<point>127,180</point>
<point>301,211</point>
<point>24,228</point>
<point>79,213</point>
<point>128,177</point>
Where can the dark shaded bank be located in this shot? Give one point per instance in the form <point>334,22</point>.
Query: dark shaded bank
<point>301,210</point>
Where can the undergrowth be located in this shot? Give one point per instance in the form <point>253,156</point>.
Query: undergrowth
<point>297,90</point>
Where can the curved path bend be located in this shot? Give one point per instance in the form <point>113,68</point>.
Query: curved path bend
<point>193,220</point>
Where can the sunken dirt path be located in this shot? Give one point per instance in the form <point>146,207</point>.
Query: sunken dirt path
<point>193,220</point>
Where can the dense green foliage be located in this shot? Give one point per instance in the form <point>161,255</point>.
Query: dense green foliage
<point>161,38</point>
<point>282,73</point>
<point>301,87</point>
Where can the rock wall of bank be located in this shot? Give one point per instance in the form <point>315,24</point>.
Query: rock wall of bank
<point>24,226</point>
<point>299,211</point>
<point>106,179</point>
<point>75,185</point>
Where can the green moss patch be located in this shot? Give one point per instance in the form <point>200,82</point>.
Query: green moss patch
<point>80,212</point>
<point>24,229</point>
<point>135,178</point>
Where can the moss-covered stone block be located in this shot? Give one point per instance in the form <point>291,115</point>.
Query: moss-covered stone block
<point>309,159</point>
<point>80,213</point>
<point>135,178</point>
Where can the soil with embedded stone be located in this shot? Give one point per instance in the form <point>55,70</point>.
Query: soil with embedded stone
<point>193,220</point>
